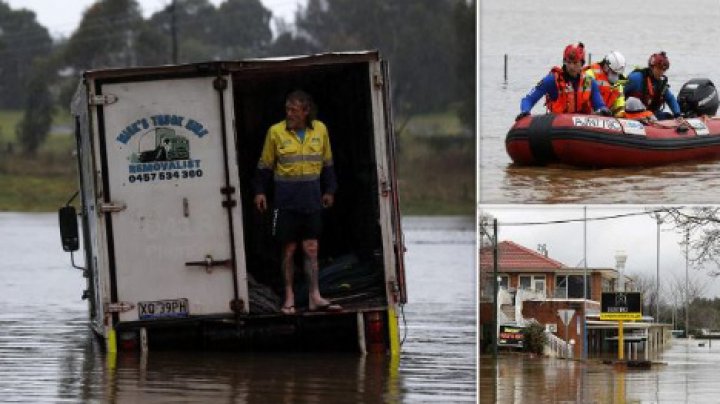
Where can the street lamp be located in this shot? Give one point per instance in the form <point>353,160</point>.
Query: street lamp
<point>620,259</point>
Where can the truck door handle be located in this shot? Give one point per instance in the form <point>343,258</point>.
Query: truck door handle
<point>208,263</point>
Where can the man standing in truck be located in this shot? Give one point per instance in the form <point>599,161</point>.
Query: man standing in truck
<point>297,154</point>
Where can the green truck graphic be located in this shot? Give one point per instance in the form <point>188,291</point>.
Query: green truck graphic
<point>168,146</point>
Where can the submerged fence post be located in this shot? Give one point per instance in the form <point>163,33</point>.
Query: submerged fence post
<point>506,67</point>
<point>589,58</point>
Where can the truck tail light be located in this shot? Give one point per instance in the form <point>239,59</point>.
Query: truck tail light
<point>375,332</point>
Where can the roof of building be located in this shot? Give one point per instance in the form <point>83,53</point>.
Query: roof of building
<point>515,258</point>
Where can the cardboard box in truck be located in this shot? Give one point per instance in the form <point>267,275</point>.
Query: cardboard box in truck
<point>176,253</point>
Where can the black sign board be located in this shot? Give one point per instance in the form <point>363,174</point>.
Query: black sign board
<point>511,336</point>
<point>621,306</point>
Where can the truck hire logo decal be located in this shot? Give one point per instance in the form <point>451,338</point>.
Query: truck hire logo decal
<point>159,152</point>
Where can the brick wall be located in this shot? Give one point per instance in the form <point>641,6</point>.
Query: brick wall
<point>546,312</point>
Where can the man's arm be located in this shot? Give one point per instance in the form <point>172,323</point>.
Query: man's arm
<point>264,172</point>
<point>545,86</point>
<point>672,102</point>
<point>596,97</point>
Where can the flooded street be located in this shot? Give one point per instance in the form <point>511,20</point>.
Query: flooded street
<point>685,373</point>
<point>534,47</point>
<point>48,354</point>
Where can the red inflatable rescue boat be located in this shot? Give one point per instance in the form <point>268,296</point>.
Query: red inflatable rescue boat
<point>596,141</point>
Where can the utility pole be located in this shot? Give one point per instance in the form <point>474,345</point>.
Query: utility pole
<point>173,30</point>
<point>495,287</point>
<point>657,279</point>
<point>687,288</point>
<point>585,284</point>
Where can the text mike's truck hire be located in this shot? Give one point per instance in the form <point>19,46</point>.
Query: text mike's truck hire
<point>175,252</point>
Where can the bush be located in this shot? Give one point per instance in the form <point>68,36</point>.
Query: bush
<point>535,338</point>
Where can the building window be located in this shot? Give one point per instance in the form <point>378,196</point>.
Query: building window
<point>533,282</point>
<point>561,287</point>
<point>503,281</point>
<point>571,287</point>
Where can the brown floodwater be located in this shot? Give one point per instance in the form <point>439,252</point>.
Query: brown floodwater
<point>686,372</point>
<point>693,182</point>
<point>48,354</point>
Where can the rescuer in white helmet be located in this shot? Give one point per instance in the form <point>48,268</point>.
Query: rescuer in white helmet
<point>608,74</point>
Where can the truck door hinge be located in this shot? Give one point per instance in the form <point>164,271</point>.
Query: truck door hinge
<point>378,80</point>
<point>102,99</point>
<point>118,307</point>
<point>228,191</point>
<point>237,305</point>
<point>385,188</point>
<point>110,207</point>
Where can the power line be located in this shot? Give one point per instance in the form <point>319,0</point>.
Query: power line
<point>580,220</point>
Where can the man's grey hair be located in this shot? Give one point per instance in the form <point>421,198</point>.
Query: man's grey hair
<point>305,99</point>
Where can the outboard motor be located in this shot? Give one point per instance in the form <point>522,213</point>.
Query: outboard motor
<point>698,97</point>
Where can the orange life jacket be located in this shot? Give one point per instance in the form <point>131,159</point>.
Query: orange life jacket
<point>569,99</point>
<point>608,93</point>
<point>638,115</point>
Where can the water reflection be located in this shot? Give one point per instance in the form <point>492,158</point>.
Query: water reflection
<point>564,184</point>
<point>214,377</point>
<point>685,373</point>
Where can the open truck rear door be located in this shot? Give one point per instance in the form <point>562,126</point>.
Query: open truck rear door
<point>169,197</point>
<point>398,235</point>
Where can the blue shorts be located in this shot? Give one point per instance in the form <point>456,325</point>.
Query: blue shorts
<point>289,225</point>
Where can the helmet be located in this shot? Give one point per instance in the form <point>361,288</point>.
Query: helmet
<point>659,59</point>
<point>615,61</point>
<point>574,52</point>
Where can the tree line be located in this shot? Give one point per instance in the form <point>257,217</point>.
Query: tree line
<point>430,45</point>
<point>681,299</point>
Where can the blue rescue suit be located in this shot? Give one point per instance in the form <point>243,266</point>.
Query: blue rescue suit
<point>636,87</point>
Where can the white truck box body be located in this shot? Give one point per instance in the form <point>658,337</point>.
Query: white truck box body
<point>166,156</point>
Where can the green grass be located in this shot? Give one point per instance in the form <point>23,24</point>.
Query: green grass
<point>39,183</point>
<point>436,165</point>
<point>8,120</point>
<point>434,180</point>
<point>31,193</point>
<point>434,124</point>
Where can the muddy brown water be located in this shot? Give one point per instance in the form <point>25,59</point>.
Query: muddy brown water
<point>686,372</point>
<point>48,354</point>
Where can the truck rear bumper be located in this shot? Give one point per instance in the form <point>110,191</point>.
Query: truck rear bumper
<point>344,331</point>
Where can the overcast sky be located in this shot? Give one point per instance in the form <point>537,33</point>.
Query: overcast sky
<point>636,235</point>
<point>62,17</point>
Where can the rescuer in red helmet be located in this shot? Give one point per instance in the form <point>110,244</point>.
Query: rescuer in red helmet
<point>567,89</point>
<point>650,85</point>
